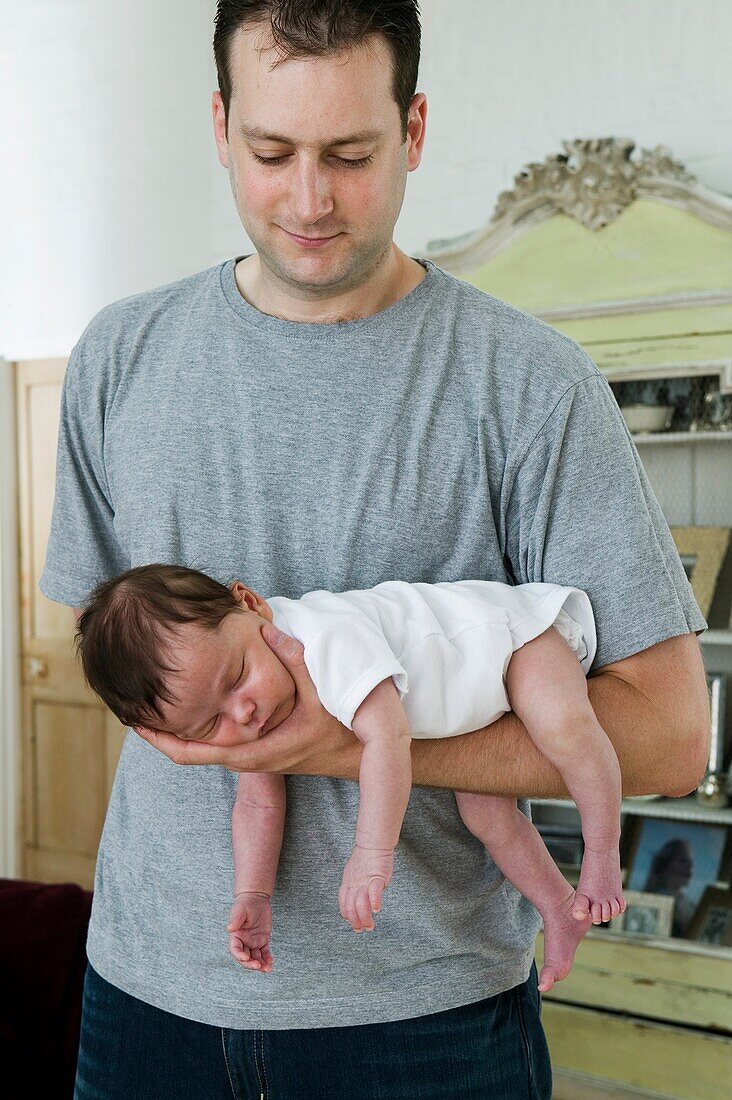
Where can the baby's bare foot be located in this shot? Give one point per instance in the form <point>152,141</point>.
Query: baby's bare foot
<point>599,894</point>
<point>562,933</point>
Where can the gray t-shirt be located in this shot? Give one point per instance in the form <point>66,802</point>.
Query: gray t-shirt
<point>450,436</point>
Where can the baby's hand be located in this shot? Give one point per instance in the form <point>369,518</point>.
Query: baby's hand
<point>249,928</point>
<point>367,874</point>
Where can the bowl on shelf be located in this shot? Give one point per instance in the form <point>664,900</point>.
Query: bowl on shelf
<point>647,418</point>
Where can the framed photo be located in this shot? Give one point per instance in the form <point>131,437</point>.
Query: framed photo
<point>645,915</point>
<point>717,688</point>
<point>678,859</point>
<point>702,551</point>
<point>713,920</point>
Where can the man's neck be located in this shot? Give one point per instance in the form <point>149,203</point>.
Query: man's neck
<point>396,277</point>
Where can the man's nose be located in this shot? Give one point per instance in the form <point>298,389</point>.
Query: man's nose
<point>312,199</point>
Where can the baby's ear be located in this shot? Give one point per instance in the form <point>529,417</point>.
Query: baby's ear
<point>239,592</point>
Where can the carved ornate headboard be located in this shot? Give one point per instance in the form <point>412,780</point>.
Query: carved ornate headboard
<point>630,257</point>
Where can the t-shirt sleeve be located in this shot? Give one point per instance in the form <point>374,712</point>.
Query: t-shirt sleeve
<point>582,512</point>
<point>347,656</point>
<point>82,549</point>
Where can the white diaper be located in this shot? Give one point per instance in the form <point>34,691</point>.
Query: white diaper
<point>572,632</point>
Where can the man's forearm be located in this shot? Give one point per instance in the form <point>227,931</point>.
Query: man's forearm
<point>502,759</point>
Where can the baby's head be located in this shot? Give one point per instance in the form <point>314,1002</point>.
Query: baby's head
<point>171,649</point>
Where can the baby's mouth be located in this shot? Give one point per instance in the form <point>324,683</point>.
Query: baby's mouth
<point>273,719</point>
<point>268,724</point>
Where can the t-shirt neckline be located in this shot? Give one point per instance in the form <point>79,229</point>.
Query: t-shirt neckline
<point>316,330</point>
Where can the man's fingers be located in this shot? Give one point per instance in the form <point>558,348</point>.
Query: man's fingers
<point>289,650</point>
<point>266,754</point>
<point>179,751</point>
<point>198,752</point>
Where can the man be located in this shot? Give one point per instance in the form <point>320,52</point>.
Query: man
<point>329,412</point>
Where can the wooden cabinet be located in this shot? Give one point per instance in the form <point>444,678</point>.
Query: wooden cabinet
<point>643,1012</point>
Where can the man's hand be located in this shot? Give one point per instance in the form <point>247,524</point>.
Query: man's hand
<point>306,743</point>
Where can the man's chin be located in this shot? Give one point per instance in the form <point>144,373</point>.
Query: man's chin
<point>303,268</point>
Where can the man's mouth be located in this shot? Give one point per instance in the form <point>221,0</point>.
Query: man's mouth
<point>310,242</point>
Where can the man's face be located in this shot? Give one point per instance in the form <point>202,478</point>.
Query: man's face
<point>318,189</point>
<point>230,685</point>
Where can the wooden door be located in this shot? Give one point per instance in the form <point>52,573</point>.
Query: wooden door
<point>70,740</point>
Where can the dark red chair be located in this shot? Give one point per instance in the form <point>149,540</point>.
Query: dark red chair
<point>42,963</point>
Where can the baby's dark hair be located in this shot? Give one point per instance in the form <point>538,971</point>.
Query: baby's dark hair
<point>124,633</point>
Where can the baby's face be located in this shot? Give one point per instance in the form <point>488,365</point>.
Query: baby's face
<point>231,687</point>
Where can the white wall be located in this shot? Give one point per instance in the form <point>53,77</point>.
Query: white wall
<point>110,181</point>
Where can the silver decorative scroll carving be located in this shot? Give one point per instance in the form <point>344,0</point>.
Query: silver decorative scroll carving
<point>592,181</point>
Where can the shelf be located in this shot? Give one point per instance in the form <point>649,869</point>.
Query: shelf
<point>680,437</point>
<point>682,809</point>
<point>716,637</point>
<point>661,943</point>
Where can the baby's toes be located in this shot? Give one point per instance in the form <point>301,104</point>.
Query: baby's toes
<point>606,910</point>
<point>547,978</point>
<point>581,907</point>
<point>596,912</point>
<point>614,908</point>
<point>621,903</point>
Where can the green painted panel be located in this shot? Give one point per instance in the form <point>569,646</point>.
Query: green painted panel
<point>652,249</point>
<point>677,350</point>
<point>686,321</point>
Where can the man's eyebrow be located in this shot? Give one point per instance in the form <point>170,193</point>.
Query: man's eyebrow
<point>260,134</point>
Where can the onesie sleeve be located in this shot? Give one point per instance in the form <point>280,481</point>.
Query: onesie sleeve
<point>346,658</point>
<point>582,512</point>
<point>82,548</point>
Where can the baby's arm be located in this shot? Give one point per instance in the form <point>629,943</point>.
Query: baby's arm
<point>257,827</point>
<point>385,781</point>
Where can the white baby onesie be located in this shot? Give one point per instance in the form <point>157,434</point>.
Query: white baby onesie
<point>446,645</point>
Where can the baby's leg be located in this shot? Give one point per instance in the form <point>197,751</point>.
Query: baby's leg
<point>519,852</point>
<point>547,690</point>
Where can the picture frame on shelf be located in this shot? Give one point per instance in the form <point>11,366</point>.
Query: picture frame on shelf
<point>679,859</point>
<point>712,923</point>
<point>712,791</point>
<point>645,915</point>
<point>703,552</point>
<point>717,688</point>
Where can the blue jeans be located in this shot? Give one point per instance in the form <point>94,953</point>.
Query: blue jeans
<point>492,1048</point>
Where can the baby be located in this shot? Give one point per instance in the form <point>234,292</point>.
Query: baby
<point>392,662</point>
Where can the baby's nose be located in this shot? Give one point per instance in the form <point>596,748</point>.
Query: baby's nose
<point>242,711</point>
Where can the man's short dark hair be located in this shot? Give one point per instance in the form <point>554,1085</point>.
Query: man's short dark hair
<point>124,633</point>
<point>317,28</point>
